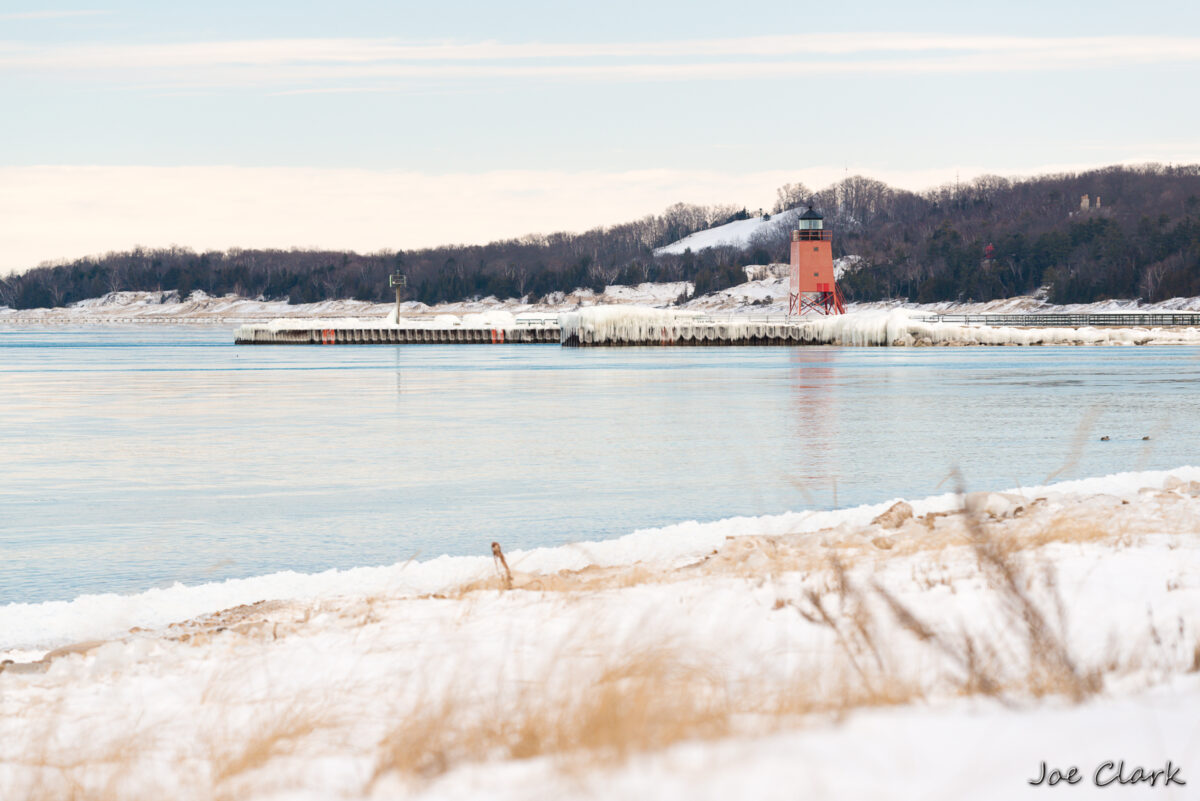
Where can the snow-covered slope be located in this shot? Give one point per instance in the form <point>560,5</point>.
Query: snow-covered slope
<point>739,233</point>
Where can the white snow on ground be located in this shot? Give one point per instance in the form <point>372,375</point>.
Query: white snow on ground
<point>770,296</point>
<point>1037,304</point>
<point>646,294</point>
<point>400,682</point>
<point>166,307</point>
<point>763,296</point>
<point>965,750</point>
<point>739,234</point>
<point>767,295</point>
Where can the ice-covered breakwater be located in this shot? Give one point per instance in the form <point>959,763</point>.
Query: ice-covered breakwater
<point>619,325</point>
<point>495,328</point>
<point>626,325</point>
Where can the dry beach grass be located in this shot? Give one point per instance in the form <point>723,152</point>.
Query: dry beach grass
<point>593,665</point>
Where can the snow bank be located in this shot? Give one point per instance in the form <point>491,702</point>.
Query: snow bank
<point>489,319</point>
<point>980,751</point>
<point>495,318</point>
<point>647,293</point>
<point>198,307</point>
<point>285,324</point>
<point>40,627</point>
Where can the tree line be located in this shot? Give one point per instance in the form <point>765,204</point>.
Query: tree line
<point>530,266</point>
<point>1142,241</point>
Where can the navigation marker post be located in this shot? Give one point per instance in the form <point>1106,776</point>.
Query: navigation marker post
<point>398,282</point>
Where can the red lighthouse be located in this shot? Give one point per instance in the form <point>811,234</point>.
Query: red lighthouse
<point>813,287</point>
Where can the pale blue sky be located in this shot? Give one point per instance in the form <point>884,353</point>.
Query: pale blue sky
<point>580,114</point>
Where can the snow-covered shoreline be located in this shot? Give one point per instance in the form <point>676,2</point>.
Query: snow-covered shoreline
<point>36,628</point>
<point>764,296</point>
<point>813,653</point>
<point>872,652</point>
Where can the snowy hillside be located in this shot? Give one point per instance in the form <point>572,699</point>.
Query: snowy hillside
<point>739,233</point>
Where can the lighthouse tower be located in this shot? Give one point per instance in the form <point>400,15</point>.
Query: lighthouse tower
<point>813,287</point>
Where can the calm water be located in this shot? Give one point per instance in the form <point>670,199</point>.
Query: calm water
<point>132,458</point>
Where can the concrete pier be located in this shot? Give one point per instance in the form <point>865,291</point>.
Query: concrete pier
<point>300,332</point>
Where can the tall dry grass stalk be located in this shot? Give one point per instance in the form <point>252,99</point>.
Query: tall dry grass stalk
<point>273,732</point>
<point>639,701</point>
<point>100,771</point>
<point>1052,668</point>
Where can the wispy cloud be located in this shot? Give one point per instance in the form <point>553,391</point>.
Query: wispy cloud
<point>50,14</point>
<point>300,65</point>
<point>363,51</point>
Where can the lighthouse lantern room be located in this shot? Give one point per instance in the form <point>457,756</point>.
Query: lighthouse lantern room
<point>813,287</point>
